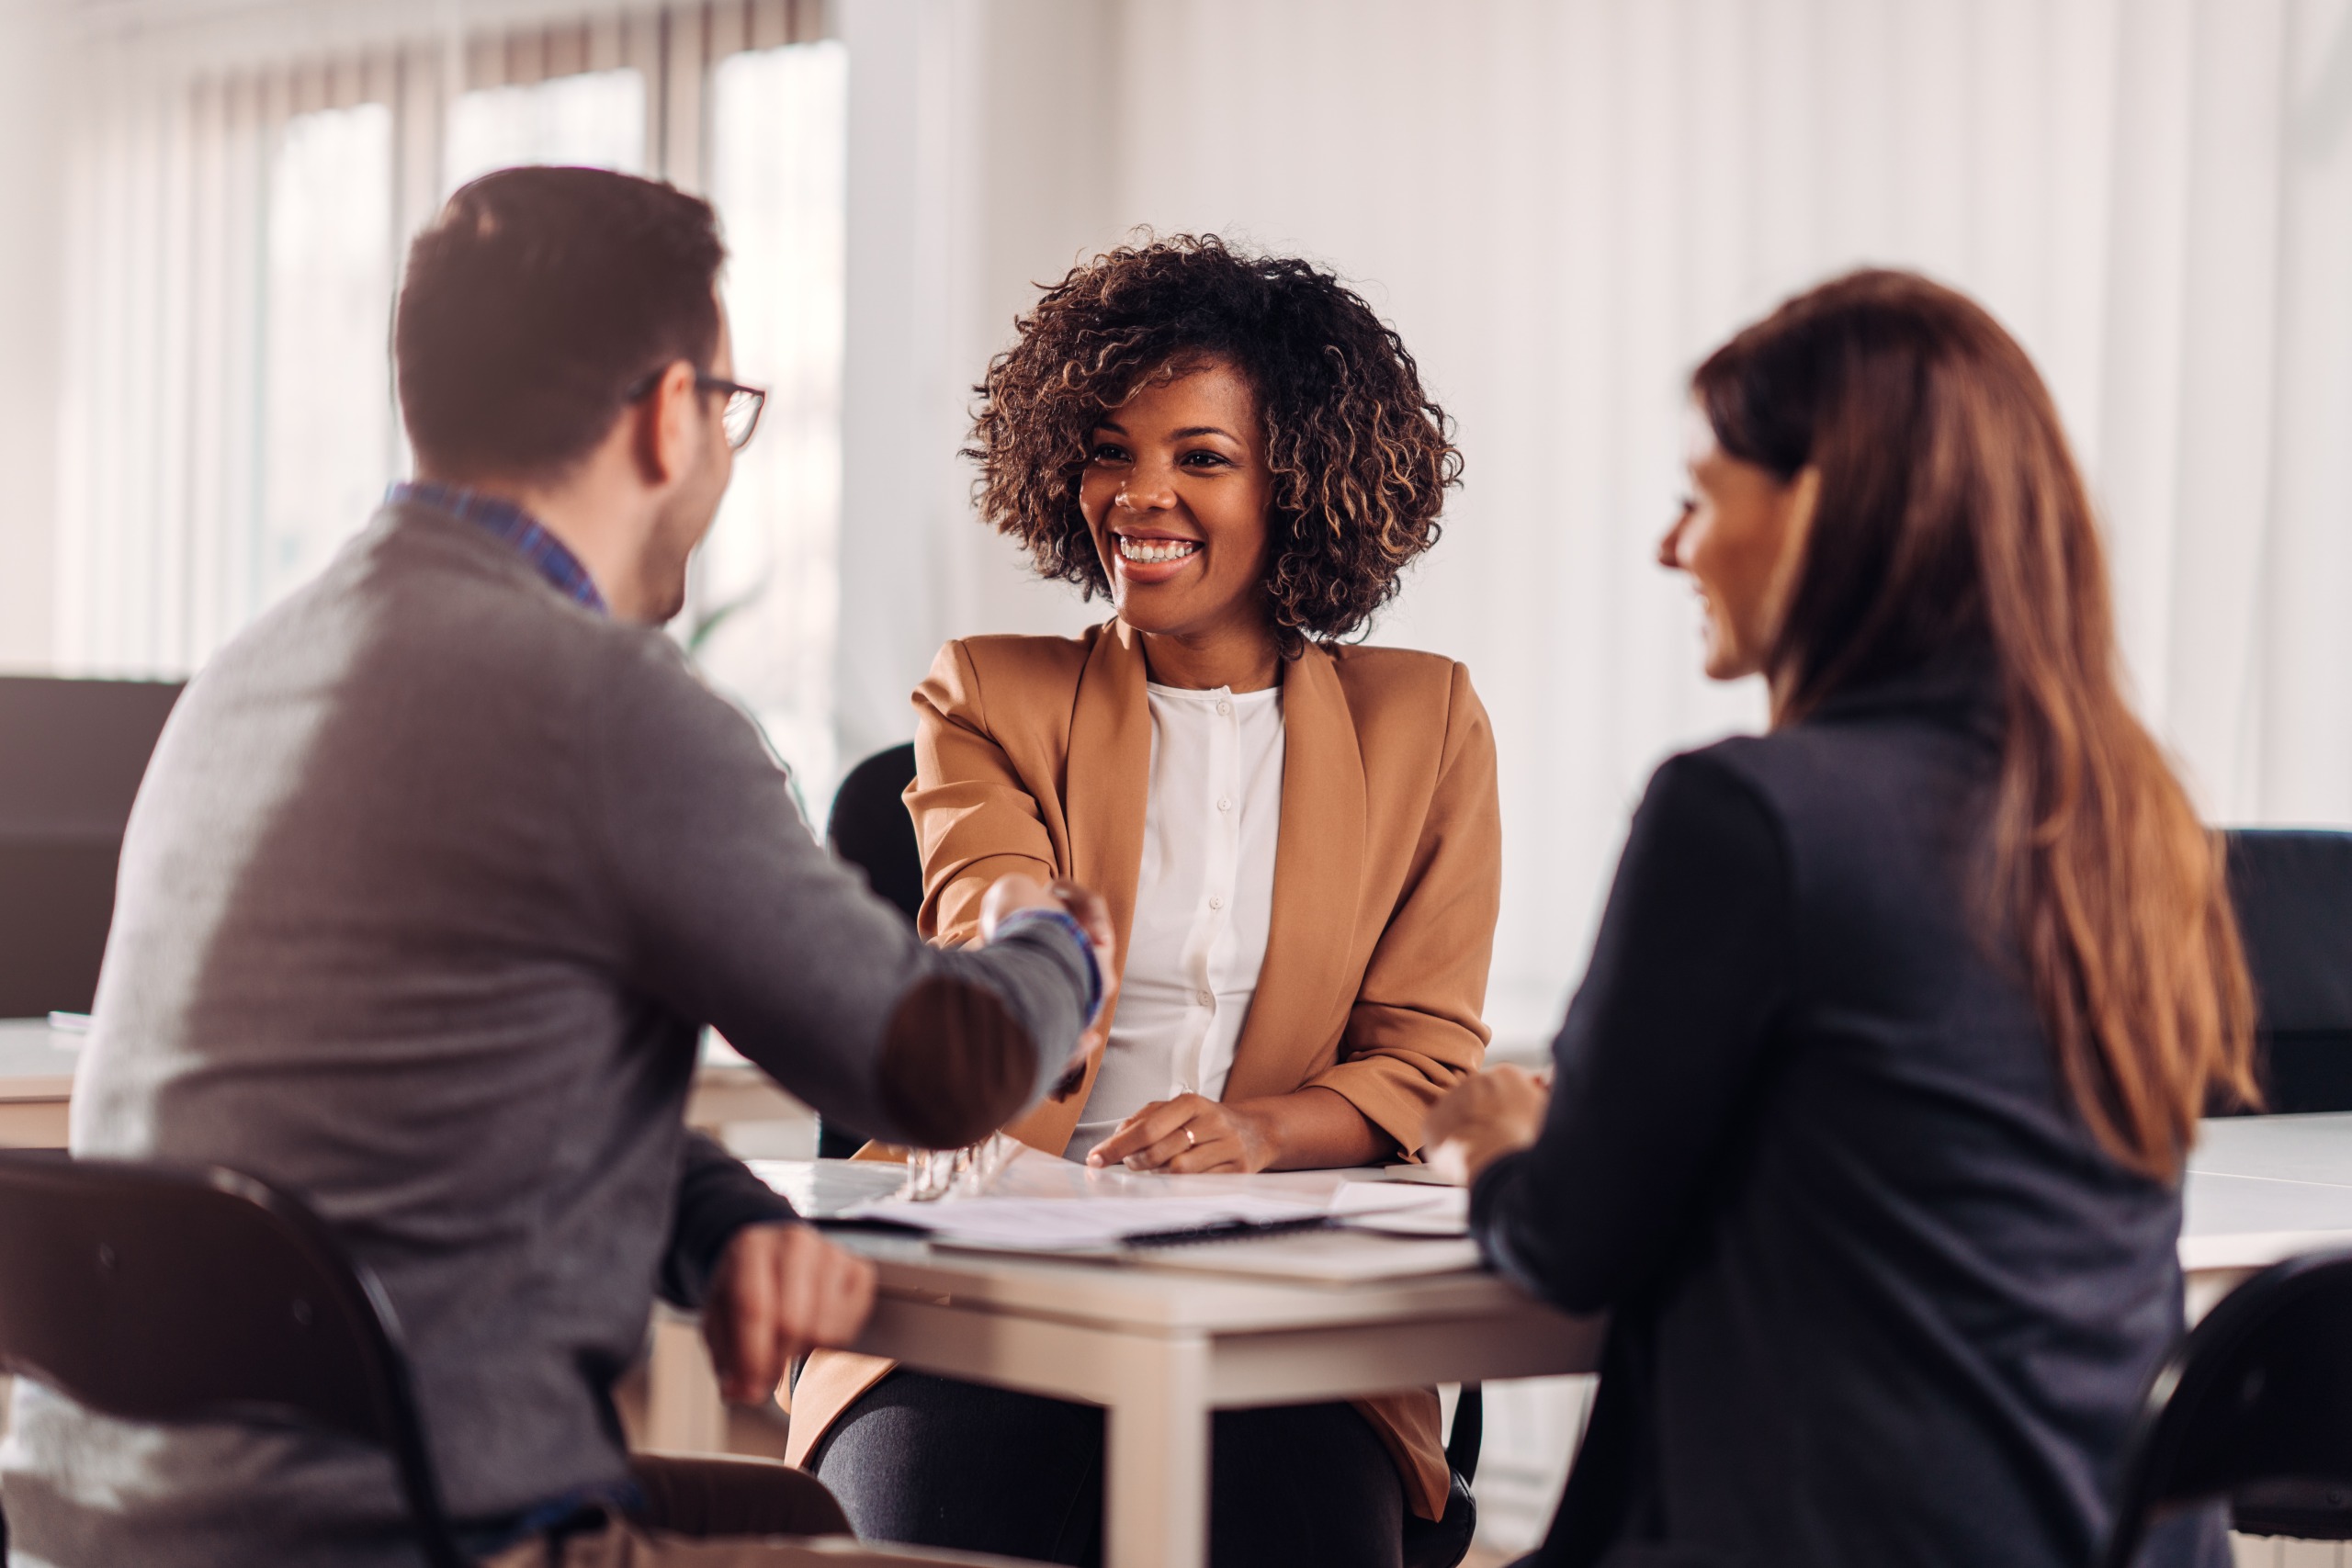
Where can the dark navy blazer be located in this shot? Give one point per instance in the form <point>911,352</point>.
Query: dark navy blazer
<point>1878,1297</point>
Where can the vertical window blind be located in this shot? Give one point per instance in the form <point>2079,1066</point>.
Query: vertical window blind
<point>233,247</point>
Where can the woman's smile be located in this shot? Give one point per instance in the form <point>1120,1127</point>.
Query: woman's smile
<point>1152,557</point>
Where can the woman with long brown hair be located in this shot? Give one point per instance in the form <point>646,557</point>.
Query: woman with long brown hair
<point>1869,1118</point>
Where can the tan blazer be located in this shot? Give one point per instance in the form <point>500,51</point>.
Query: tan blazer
<point>1033,754</point>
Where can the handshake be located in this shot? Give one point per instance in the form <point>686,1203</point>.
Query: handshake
<point>1008,895</point>
<point>781,1290</point>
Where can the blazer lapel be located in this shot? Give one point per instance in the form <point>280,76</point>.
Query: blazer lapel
<point>1319,875</point>
<point>1107,777</point>
<point>1106,781</point>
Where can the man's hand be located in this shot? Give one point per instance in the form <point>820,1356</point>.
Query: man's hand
<point>780,1291</point>
<point>1008,894</point>
<point>1498,1111</point>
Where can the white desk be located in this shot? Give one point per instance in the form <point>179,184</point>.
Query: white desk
<point>2260,1189</point>
<point>36,1077</point>
<point>36,1085</point>
<point>1160,1349</point>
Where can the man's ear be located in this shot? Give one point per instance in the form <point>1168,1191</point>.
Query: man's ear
<point>666,426</point>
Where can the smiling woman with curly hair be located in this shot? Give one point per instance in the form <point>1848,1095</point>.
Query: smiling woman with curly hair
<point>1357,453</point>
<point>1295,835</point>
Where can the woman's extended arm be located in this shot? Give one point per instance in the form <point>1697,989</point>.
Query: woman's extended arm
<point>977,821</point>
<point>1661,1047</point>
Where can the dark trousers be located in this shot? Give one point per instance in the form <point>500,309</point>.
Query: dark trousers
<point>929,1462</point>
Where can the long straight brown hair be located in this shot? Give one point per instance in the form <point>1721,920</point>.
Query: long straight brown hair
<point>1953,522</point>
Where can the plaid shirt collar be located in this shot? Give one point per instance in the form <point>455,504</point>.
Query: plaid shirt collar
<point>529,537</point>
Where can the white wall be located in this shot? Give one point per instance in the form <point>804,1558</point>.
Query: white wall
<point>1562,205</point>
<point>966,186</point>
<point>31,213</point>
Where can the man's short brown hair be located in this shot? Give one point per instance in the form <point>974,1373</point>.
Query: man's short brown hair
<point>534,306</point>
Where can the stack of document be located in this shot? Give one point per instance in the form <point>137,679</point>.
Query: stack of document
<point>1420,1230</point>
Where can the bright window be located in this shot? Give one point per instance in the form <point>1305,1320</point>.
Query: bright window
<point>326,425</point>
<point>767,590</point>
<point>228,418</point>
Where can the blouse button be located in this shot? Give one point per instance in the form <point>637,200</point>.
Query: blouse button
<point>1215,903</point>
<point>1224,708</point>
<point>1206,998</point>
<point>1225,802</point>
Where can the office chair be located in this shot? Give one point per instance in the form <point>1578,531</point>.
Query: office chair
<point>2293,890</point>
<point>1444,1542</point>
<point>165,1295</point>
<point>183,1295</point>
<point>869,828</point>
<point>2256,1402</point>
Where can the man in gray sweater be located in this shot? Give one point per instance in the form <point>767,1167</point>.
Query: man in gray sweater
<point>436,875</point>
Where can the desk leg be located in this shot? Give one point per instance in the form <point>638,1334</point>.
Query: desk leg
<point>683,1412</point>
<point>1156,1499</point>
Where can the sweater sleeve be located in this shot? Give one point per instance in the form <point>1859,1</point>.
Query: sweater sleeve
<point>718,1195</point>
<point>974,816</point>
<point>724,909</point>
<point>1661,1048</point>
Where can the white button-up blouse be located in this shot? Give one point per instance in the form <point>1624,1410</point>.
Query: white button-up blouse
<point>1204,899</point>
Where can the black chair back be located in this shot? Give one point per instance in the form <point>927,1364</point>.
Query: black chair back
<point>2258,1392</point>
<point>2293,890</point>
<point>870,829</point>
<point>163,1295</point>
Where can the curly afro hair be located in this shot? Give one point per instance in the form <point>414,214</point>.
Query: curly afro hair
<point>1361,456</point>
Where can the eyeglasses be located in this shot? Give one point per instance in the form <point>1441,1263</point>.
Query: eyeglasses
<point>742,416</point>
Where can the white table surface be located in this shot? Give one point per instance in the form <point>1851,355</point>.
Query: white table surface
<point>37,1086</point>
<point>2263,1187</point>
<point>1160,1348</point>
<point>36,1077</point>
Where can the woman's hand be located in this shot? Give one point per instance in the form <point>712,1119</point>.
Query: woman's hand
<point>1309,1129</point>
<point>1015,891</point>
<point>1496,1112</point>
<point>1186,1136</point>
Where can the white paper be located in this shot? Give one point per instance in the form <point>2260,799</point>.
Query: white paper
<point>1396,1207</point>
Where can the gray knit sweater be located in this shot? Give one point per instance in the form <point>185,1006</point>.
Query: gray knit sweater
<point>432,881</point>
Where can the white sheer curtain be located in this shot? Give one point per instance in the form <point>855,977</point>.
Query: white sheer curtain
<point>242,197</point>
